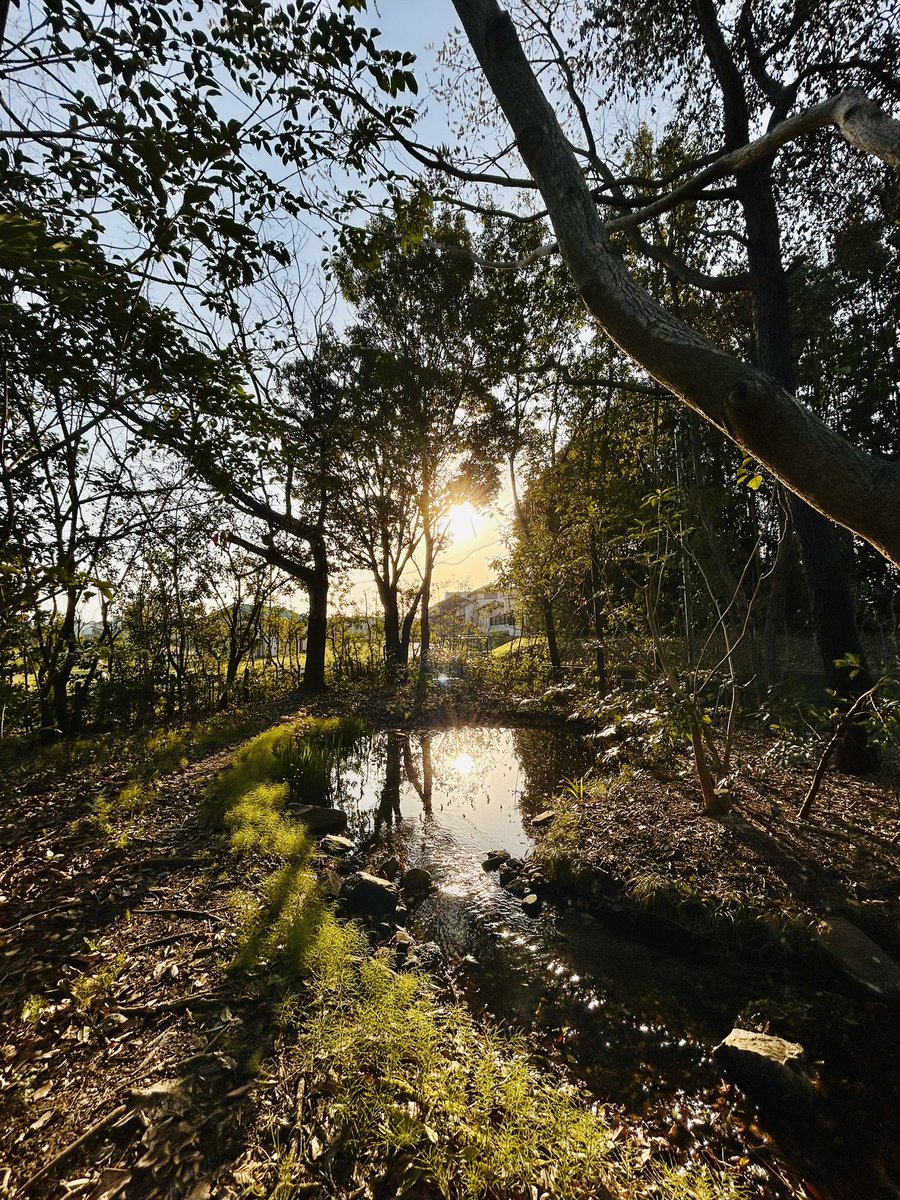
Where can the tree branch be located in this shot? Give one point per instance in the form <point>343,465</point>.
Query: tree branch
<point>855,489</point>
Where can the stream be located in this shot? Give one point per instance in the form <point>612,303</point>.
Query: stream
<point>634,1018</point>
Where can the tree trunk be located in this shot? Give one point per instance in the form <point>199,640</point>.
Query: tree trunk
<point>316,633</point>
<point>777,605</point>
<point>425,623</point>
<point>833,617</point>
<point>550,626</point>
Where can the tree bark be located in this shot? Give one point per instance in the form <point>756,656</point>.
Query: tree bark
<point>316,634</point>
<point>834,619</point>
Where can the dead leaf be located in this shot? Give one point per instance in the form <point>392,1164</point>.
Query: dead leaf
<point>43,1119</point>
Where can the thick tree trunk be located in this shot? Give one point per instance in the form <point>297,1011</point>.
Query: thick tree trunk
<point>855,488</point>
<point>834,619</point>
<point>316,634</point>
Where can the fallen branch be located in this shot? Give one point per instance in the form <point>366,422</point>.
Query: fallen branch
<point>67,1151</point>
<point>834,742</point>
<point>191,913</point>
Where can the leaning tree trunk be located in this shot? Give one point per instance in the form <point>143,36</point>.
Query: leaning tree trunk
<point>833,616</point>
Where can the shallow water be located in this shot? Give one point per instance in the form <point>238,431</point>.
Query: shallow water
<point>636,1019</point>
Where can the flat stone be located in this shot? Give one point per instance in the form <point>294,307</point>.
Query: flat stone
<point>543,818</point>
<point>333,843</point>
<point>766,1067</point>
<point>855,955</point>
<point>369,895</point>
<point>321,820</point>
<point>416,882</point>
<point>532,904</point>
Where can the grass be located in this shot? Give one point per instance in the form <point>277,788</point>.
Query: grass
<point>409,1091</point>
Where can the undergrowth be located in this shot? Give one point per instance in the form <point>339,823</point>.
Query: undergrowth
<point>408,1090</point>
<point>150,754</point>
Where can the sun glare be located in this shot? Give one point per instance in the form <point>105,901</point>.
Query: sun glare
<point>463,764</point>
<point>466,522</point>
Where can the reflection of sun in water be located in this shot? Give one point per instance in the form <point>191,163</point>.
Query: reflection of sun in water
<point>465,522</point>
<point>463,764</point>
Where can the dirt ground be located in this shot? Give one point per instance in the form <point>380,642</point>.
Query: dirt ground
<point>127,1055</point>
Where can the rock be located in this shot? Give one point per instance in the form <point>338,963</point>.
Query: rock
<point>766,1067</point>
<point>509,870</point>
<point>495,859</point>
<point>430,955</point>
<point>390,868</point>
<point>858,957</point>
<point>401,913</point>
<point>518,886</point>
<point>416,882</point>
<point>469,964</point>
<point>543,818</point>
<point>369,895</point>
<point>532,905</point>
<point>321,820</point>
<point>333,843</point>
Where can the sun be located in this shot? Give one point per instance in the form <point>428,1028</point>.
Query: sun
<point>465,522</point>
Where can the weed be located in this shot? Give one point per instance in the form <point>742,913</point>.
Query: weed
<point>94,984</point>
<point>34,1008</point>
<point>405,1081</point>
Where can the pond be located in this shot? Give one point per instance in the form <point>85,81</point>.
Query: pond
<point>635,1018</point>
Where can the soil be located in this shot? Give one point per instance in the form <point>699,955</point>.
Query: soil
<point>135,1073</point>
<point>759,863</point>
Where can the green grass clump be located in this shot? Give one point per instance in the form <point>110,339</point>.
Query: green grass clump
<point>289,924</point>
<point>34,1008</point>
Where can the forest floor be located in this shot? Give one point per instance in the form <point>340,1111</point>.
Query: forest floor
<point>132,1063</point>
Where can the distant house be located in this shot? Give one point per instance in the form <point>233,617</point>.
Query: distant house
<point>484,610</point>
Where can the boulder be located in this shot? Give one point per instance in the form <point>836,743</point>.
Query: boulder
<point>369,895</point>
<point>532,905</point>
<point>333,843</point>
<point>321,820</point>
<point>509,870</point>
<point>767,1067</point>
<point>855,955</point>
<point>543,818</point>
<point>416,882</point>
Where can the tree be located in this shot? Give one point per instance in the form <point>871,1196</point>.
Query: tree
<point>415,310</point>
<point>179,131</point>
<point>858,490</point>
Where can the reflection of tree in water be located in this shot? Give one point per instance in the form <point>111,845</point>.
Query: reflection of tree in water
<point>548,757</point>
<point>400,762</point>
<point>425,786</point>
